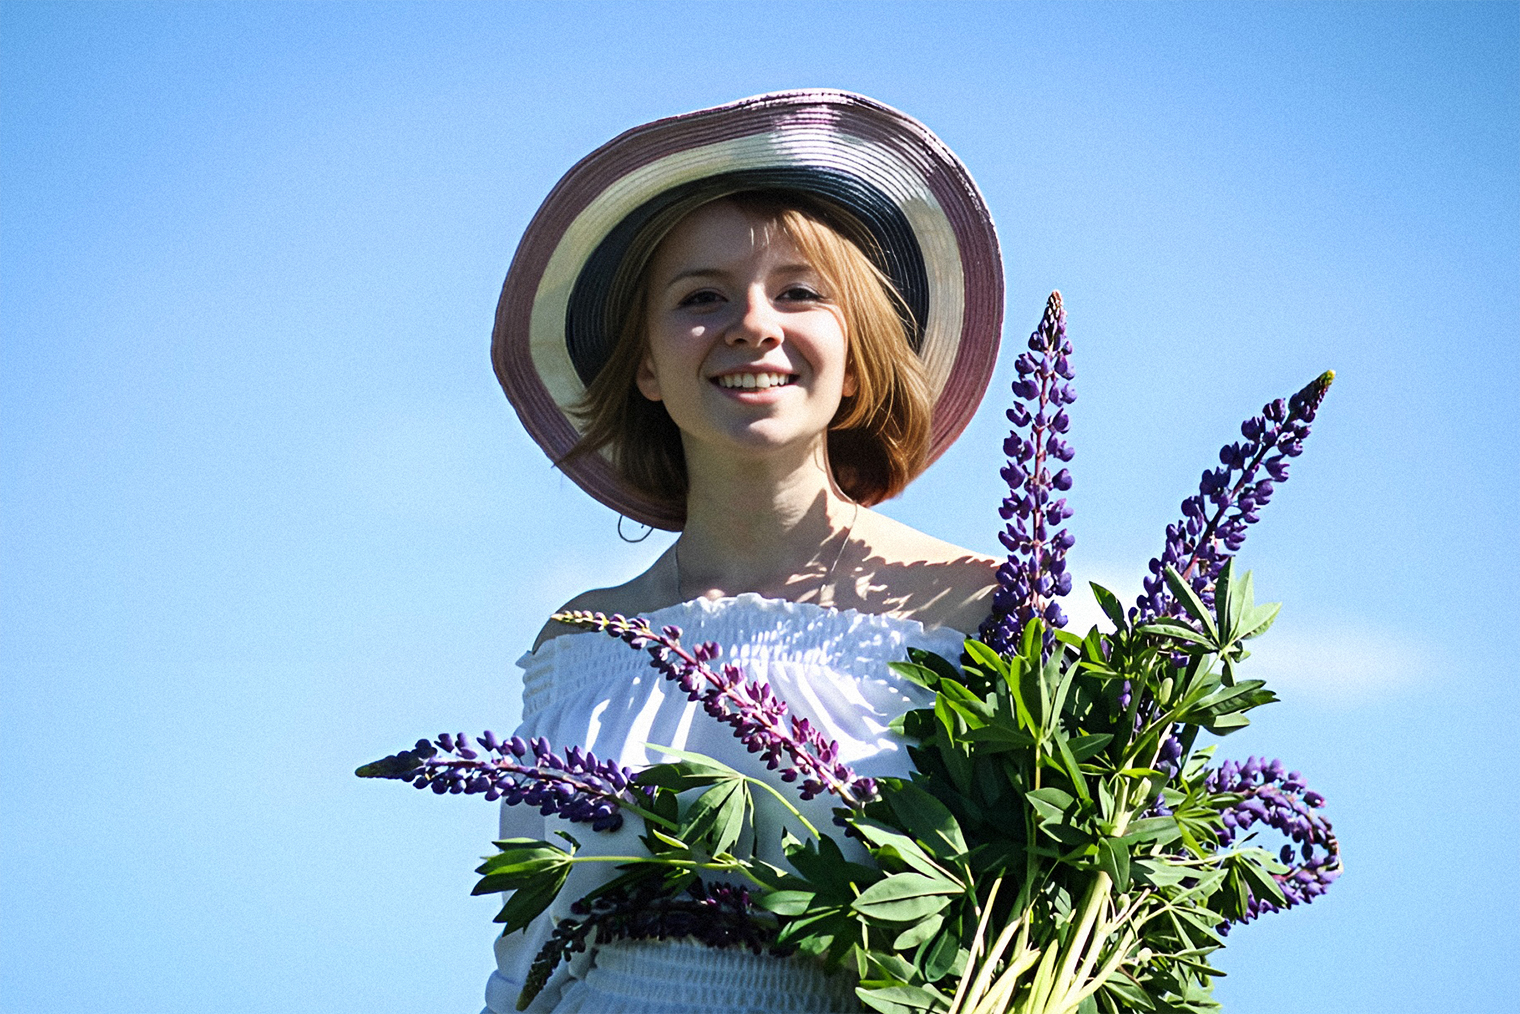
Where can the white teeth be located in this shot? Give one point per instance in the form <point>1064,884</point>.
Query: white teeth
<point>754,381</point>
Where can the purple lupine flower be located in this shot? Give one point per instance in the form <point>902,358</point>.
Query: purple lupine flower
<point>1034,575</point>
<point>1279,799</point>
<point>1229,498</point>
<point>757,716</point>
<point>576,785</point>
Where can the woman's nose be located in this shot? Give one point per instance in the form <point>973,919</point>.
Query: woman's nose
<point>758,324</point>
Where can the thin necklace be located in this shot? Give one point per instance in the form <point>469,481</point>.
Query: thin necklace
<point>675,556</point>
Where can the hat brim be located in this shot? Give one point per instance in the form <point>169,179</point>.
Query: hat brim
<point>803,136</point>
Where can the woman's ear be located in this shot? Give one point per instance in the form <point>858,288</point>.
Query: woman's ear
<point>851,385</point>
<point>648,382</point>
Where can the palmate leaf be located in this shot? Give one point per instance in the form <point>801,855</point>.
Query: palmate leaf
<point>719,815</point>
<point>534,871</point>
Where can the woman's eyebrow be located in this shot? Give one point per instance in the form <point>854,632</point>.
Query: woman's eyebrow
<point>681,276</point>
<point>792,269</point>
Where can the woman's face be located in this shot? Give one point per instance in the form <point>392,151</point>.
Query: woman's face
<point>745,346</point>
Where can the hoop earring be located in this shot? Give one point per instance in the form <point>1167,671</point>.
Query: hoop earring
<point>625,538</point>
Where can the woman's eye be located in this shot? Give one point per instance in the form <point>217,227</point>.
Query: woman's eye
<point>801,293</point>
<point>701,297</point>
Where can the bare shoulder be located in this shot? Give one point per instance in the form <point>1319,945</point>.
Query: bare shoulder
<point>630,598</point>
<point>909,573</point>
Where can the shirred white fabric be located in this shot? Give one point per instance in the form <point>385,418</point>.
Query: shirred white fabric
<point>589,689</point>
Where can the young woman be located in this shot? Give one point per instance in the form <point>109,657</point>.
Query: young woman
<point>773,315</point>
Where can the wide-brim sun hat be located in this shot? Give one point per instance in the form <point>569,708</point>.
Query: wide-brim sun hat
<point>909,200</point>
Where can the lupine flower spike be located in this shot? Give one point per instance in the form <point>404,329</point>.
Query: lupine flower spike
<point>1034,575</point>
<point>575,786</point>
<point>1281,801</point>
<point>756,715</point>
<point>1214,520</point>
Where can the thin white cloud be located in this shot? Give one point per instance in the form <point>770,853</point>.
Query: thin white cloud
<point>1335,664</point>
<point>1344,664</point>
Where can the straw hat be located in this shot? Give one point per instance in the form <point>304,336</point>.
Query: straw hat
<point>915,206</point>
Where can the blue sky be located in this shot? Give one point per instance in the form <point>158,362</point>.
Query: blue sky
<point>264,514</point>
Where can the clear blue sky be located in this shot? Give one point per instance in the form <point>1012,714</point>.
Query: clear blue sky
<point>265,515</point>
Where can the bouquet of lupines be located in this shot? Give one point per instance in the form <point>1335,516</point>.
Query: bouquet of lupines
<point>1061,845</point>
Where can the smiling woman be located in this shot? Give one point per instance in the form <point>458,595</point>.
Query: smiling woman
<point>750,323</point>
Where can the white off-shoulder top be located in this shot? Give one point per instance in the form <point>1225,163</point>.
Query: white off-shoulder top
<point>589,689</point>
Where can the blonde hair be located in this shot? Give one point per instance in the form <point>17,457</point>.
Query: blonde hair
<point>879,438</point>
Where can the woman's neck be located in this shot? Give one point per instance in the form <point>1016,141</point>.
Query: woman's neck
<point>764,525</point>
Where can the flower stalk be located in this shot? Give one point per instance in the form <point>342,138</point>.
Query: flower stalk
<point>757,716</point>
<point>1034,574</point>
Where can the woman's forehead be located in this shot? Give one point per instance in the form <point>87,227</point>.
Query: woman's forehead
<point>721,232</point>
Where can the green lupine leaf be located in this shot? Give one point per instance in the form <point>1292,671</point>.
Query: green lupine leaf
<point>1067,637</point>
<point>987,660</point>
<point>1085,746</point>
<point>928,820</point>
<point>1153,829</point>
<point>824,866</point>
<point>899,845</point>
<point>1159,873</point>
<point>1111,606</point>
<point>521,853</point>
<point>787,902</point>
<point>920,675</point>
<point>919,933</point>
<point>1259,620</point>
<point>1169,627</point>
<point>1128,992</point>
<point>1261,883</point>
<point>1078,781</point>
<point>939,664</point>
<point>905,897</point>
<point>1227,600</point>
<point>814,933</point>
<point>526,903</point>
<point>1190,601</point>
<point>1226,724</point>
<point>944,956</point>
<point>1113,858</point>
<point>1070,837</point>
<point>997,738</point>
<point>669,840</point>
<point>901,999</point>
<point>884,967</point>
<point>696,764</point>
<point>1050,803</point>
<point>719,815</point>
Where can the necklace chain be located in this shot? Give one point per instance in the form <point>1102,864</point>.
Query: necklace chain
<point>675,556</point>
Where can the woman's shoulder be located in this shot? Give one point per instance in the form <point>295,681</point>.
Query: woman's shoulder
<point>630,598</point>
<point>906,572</point>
